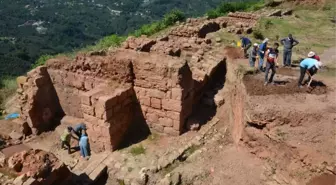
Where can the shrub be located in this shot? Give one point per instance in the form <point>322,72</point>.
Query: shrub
<point>108,41</point>
<point>41,60</point>
<point>8,87</point>
<point>137,150</point>
<point>268,24</point>
<point>257,34</point>
<point>227,7</point>
<point>172,17</point>
<point>168,20</point>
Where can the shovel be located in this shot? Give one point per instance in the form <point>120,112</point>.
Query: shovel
<point>310,81</point>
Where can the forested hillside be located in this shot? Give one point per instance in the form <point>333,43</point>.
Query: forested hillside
<point>30,28</point>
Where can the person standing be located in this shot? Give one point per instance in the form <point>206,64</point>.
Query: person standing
<point>309,66</point>
<point>261,53</point>
<point>253,55</point>
<point>271,60</point>
<point>288,43</point>
<point>84,146</point>
<point>246,44</point>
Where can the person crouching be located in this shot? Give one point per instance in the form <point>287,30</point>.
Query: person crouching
<point>271,61</point>
<point>310,66</point>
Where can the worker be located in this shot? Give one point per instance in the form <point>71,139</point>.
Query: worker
<point>261,52</point>
<point>245,44</point>
<point>253,55</point>
<point>66,138</point>
<point>288,43</point>
<point>313,55</point>
<point>78,129</point>
<point>309,66</point>
<point>271,61</point>
<point>84,146</point>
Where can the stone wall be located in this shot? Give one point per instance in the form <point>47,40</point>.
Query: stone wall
<point>39,103</point>
<point>159,91</point>
<point>107,116</point>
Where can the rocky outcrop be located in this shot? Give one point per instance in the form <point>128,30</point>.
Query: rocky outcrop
<point>37,167</point>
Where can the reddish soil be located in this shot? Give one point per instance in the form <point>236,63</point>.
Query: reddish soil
<point>287,71</point>
<point>324,179</point>
<point>9,151</point>
<point>255,86</point>
<point>233,52</point>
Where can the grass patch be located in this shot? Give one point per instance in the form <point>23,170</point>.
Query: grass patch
<point>154,137</point>
<point>8,88</point>
<point>226,7</point>
<point>137,150</point>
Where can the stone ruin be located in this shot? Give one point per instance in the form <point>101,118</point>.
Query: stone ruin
<point>155,80</point>
<point>36,167</point>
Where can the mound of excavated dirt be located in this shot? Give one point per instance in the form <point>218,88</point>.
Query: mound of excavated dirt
<point>256,87</point>
<point>33,163</point>
<point>233,52</point>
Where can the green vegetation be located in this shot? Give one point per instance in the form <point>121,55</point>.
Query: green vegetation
<point>137,150</point>
<point>8,87</point>
<point>115,40</point>
<point>227,7</point>
<point>30,29</point>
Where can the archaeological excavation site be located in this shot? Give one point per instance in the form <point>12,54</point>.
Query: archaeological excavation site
<point>178,108</point>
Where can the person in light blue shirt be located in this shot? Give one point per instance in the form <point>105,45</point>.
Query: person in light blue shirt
<point>309,66</point>
<point>84,145</point>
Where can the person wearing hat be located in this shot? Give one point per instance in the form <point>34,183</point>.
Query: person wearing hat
<point>66,138</point>
<point>271,61</point>
<point>313,55</point>
<point>288,43</point>
<point>78,129</point>
<point>253,55</point>
<point>246,44</point>
<point>261,53</point>
<point>309,66</point>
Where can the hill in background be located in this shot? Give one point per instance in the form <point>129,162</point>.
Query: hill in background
<point>29,29</point>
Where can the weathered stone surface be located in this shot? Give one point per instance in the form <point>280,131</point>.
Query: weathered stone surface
<point>172,105</point>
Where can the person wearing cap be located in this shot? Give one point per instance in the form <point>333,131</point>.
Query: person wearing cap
<point>253,55</point>
<point>313,55</point>
<point>271,60</point>
<point>246,44</point>
<point>261,53</point>
<point>78,129</point>
<point>288,43</point>
<point>309,66</point>
<point>66,138</point>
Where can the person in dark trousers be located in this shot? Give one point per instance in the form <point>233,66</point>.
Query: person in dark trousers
<point>66,138</point>
<point>271,60</point>
<point>253,55</point>
<point>84,146</point>
<point>261,53</point>
<point>245,44</point>
<point>78,129</point>
<point>309,66</point>
<point>288,43</point>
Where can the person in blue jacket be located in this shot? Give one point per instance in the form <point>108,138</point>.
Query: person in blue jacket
<point>245,44</point>
<point>261,52</point>
<point>84,145</point>
<point>309,66</point>
<point>78,129</point>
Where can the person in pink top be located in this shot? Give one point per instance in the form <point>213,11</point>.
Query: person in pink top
<point>314,56</point>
